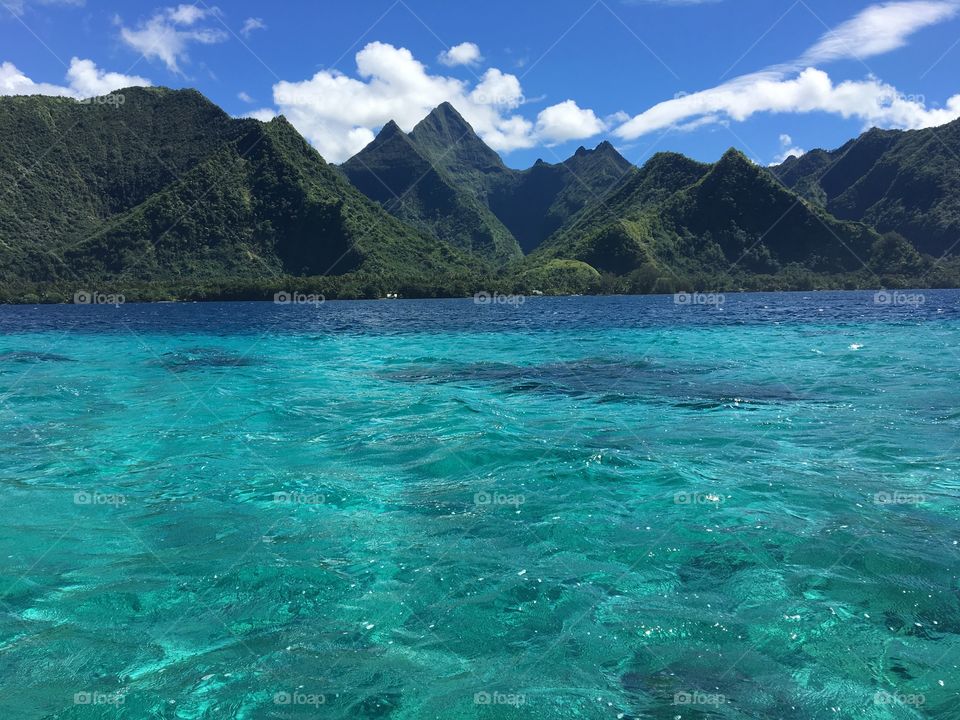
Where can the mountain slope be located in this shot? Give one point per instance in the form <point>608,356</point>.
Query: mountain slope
<point>67,166</point>
<point>895,181</point>
<point>608,233</point>
<point>167,187</point>
<point>757,222</point>
<point>451,144</point>
<point>680,217</point>
<point>394,172</point>
<point>455,186</point>
<point>535,203</point>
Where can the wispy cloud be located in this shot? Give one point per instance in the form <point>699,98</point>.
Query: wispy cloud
<point>169,32</point>
<point>798,87</point>
<point>252,24</point>
<point>877,30</point>
<point>787,149</point>
<point>19,7</point>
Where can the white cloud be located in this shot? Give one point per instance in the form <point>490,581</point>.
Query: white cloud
<point>245,97</point>
<point>787,149</point>
<point>873,102</point>
<point>251,24</point>
<point>264,114</point>
<point>87,80</point>
<point>467,53</point>
<point>186,14</point>
<point>782,89</point>
<point>498,89</point>
<point>616,118</point>
<point>19,7</point>
<point>878,29</point>
<point>339,114</point>
<point>84,79</point>
<point>567,121</point>
<point>167,34</point>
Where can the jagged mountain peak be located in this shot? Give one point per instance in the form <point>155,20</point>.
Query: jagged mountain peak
<point>389,130</point>
<point>733,156</point>
<point>445,120</point>
<point>449,140</point>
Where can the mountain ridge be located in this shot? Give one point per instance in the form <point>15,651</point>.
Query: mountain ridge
<point>519,208</point>
<point>903,181</point>
<point>168,190</point>
<point>190,193</point>
<point>394,172</point>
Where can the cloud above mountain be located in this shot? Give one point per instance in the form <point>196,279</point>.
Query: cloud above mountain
<point>799,87</point>
<point>340,113</point>
<point>787,149</point>
<point>567,121</point>
<point>878,29</point>
<point>167,35</point>
<point>467,53</point>
<point>84,80</point>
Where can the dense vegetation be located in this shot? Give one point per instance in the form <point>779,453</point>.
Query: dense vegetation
<point>537,202</point>
<point>907,182</point>
<point>166,197</point>
<point>679,218</point>
<point>443,179</point>
<point>396,173</point>
<point>167,188</point>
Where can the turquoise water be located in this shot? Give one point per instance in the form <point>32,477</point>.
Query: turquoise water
<point>570,508</point>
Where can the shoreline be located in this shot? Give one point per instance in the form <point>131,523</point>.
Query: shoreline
<point>523,297</point>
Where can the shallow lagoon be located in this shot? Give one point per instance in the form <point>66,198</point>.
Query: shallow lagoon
<point>570,507</point>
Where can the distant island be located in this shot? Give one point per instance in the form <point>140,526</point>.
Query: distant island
<point>164,196</point>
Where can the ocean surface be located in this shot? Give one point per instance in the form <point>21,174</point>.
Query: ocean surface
<point>556,508</point>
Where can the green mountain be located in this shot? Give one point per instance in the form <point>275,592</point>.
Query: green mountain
<point>902,181</point>
<point>451,144</point>
<point>168,188</point>
<point>612,234</point>
<point>535,203</point>
<point>638,190</point>
<point>395,172</point>
<point>443,179</point>
<point>168,196</point>
<point>678,218</point>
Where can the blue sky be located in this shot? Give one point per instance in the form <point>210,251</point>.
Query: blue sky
<point>537,79</point>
